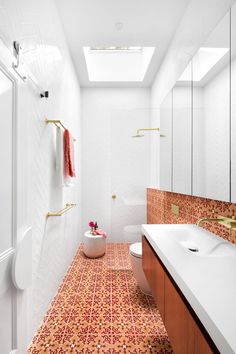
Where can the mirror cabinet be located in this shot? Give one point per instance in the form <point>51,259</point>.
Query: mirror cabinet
<point>182,128</point>
<point>233,106</point>
<point>166,143</point>
<point>198,154</point>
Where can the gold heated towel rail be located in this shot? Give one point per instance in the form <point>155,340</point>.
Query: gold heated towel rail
<point>57,123</point>
<point>67,207</point>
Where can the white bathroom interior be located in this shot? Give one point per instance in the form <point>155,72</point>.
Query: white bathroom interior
<point>146,90</point>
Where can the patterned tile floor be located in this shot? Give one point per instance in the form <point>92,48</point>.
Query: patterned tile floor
<point>100,309</point>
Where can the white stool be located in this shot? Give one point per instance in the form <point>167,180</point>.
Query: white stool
<point>94,245</point>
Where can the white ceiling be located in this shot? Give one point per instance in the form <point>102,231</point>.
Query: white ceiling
<point>145,23</point>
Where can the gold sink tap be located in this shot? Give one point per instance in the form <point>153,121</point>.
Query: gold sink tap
<point>201,221</point>
<point>230,223</point>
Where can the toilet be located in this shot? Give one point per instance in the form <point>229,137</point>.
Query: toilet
<point>135,251</point>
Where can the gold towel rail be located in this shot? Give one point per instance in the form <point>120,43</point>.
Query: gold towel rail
<point>67,207</point>
<point>57,123</point>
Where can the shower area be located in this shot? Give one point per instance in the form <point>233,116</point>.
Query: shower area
<point>131,136</point>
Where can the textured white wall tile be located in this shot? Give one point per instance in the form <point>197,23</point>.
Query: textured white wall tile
<point>36,25</point>
<point>108,116</point>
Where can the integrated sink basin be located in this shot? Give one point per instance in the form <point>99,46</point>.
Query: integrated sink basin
<point>203,266</point>
<point>202,242</point>
<point>197,240</point>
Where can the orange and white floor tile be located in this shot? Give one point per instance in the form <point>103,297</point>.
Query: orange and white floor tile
<point>100,309</point>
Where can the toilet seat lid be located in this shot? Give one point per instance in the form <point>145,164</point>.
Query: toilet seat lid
<point>136,249</point>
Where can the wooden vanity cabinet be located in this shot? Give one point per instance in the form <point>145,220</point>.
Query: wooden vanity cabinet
<point>201,344</point>
<point>186,334</point>
<point>155,275</point>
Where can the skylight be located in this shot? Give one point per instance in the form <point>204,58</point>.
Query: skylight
<point>117,49</point>
<point>117,63</point>
<point>204,60</point>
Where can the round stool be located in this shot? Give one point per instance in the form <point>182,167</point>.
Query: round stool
<point>94,245</point>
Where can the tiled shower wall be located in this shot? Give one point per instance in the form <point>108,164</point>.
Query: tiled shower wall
<point>191,209</point>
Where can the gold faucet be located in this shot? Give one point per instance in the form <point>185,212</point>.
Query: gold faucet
<point>201,221</point>
<point>230,223</point>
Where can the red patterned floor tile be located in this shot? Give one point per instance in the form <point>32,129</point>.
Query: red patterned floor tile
<point>124,343</point>
<point>100,309</point>
<point>153,344</point>
<point>122,325</point>
<point>100,326</point>
<point>74,344</point>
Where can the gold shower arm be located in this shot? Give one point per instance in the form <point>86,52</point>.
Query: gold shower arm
<point>67,207</point>
<point>57,123</point>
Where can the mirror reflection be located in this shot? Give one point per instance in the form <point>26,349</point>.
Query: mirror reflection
<point>182,133</point>
<point>211,115</point>
<point>166,180</point>
<point>233,104</point>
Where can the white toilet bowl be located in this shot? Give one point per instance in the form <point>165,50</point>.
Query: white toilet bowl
<point>135,251</point>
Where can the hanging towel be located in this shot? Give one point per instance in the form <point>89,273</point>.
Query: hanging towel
<point>59,157</point>
<point>100,232</point>
<point>69,167</point>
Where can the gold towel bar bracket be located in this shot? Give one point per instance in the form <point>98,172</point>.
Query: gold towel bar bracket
<point>57,123</point>
<point>67,207</point>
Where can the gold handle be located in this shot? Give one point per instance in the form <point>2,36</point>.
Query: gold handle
<point>113,196</point>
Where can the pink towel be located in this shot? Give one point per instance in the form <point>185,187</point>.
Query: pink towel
<point>99,232</point>
<point>69,167</point>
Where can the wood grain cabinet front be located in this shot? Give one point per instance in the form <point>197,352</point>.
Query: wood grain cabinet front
<point>155,275</point>
<point>177,320</point>
<point>181,323</point>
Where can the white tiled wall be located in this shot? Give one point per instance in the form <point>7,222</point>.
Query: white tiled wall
<point>36,25</point>
<point>110,117</point>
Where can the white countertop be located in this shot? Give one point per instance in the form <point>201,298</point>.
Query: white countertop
<point>207,282</point>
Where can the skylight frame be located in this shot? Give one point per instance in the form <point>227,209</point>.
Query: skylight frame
<point>117,64</point>
<point>116,49</point>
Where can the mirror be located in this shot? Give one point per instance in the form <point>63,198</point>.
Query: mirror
<point>166,144</point>
<point>211,115</point>
<point>233,104</point>
<point>182,133</point>
<point>198,118</point>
